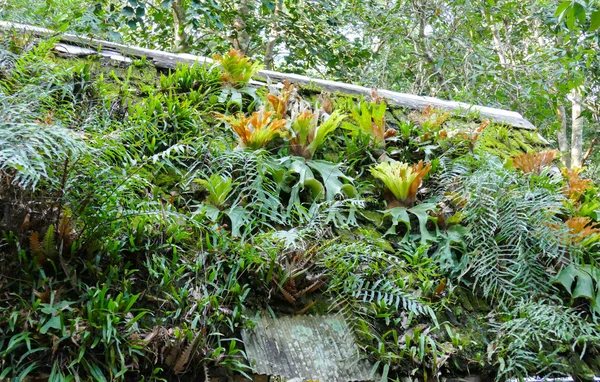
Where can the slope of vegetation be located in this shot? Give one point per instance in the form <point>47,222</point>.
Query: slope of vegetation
<point>148,217</point>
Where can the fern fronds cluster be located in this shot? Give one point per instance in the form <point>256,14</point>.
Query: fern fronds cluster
<point>534,162</point>
<point>31,149</point>
<point>514,232</point>
<point>541,332</point>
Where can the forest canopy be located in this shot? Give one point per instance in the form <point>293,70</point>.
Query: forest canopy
<point>149,215</point>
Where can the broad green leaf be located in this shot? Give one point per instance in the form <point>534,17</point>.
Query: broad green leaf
<point>128,11</point>
<point>596,302</point>
<point>53,323</point>
<point>316,187</point>
<point>594,20</point>
<point>238,216</point>
<point>584,287</point>
<point>566,277</point>
<point>398,215</point>
<point>384,374</point>
<point>562,7</point>
<point>331,175</point>
<point>421,212</point>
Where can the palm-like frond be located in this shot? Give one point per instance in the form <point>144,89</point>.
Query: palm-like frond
<point>30,149</point>
<point>515,232</point>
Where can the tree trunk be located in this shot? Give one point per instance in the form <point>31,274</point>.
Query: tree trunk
<point>576,130</point>
<point>242,38</point>
<point>563,139</point>
<point>496,37</point>
<point>269,51</point>
<point>179,24</point>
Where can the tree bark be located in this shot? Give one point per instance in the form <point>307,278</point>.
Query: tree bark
<point>576,130</point>
<point>178,8</point>
<point>563,139</point>
<point>242,38</point>
<point>590,149</point>
<point>496,37</point>
<point>269,51</point>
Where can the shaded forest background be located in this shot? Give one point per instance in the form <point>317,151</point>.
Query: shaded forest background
<point>539,58</point>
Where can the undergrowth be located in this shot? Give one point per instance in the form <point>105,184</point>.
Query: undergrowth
<point>147,219</point>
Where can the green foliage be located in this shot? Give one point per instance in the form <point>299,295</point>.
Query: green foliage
<point>515,234</point>
<point>376,292</point>
<point>402,180</point>
<point>33,152</point>
<point>582,281</point>
<point>237,69</point>
<point>196,78</point>
<point>369,120</point>
<point>309,135</point>
<point>505,142</point>
<point>218,188</point>
<point>544,336</point>
<point>139,242</point>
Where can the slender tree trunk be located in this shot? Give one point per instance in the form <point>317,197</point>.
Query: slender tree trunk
<point>576,130</point>
<point>242,38</point>
<point>178,8</point>
<point>496,37</point>
<point>563,139</point>
<point>270,49</point>
<point>421,48</point>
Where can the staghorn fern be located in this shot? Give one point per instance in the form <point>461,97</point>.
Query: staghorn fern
<point>308,134</point>
<point>255,131</point>
<point>401,179</point>
<point>237,69</point>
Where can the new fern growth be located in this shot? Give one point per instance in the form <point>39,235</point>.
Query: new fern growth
<point>369,118</point>
<point>401,179</point>
<point>534,162</point>
<point>255,131</point>
<point>237,69</point>
<point>309,135</point>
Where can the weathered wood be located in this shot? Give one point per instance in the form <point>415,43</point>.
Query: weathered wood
<point>160,59</point>
<point>169,60</point>
<point>76,51</point>
<point>319,348</point>
<point>409,101</point>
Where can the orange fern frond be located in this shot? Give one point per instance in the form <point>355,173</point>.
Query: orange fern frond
<point>534,162</point>
<point>575,185</point>
<point>582,227</point>
<point>186,355</point>
<point>325,102</point>
<point>286,294</point>
<point>280,102</point>
<point>473,138</point>
<point>34,243</point>
<point>421,170</point>
<point>256,131</point>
